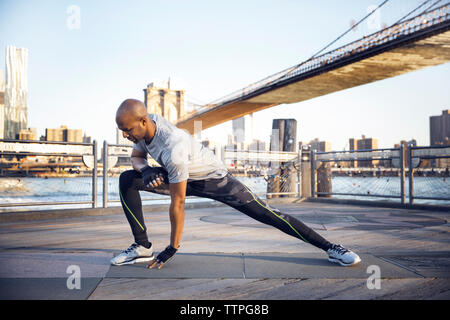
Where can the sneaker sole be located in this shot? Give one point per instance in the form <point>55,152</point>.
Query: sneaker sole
<point>343,263</point>
<point>138,260</point>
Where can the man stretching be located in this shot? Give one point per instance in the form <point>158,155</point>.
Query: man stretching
<point>189,169</point>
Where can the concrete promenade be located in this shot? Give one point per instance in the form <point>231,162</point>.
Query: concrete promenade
<point>226,255</point>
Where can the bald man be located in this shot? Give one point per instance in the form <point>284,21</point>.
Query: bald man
<point>187,168</point>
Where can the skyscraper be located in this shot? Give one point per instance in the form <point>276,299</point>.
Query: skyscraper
<point>243,130</point>
<point>440,135</point>
<point>2,106</point>
<point>16,91</point>
<point>440,129</point>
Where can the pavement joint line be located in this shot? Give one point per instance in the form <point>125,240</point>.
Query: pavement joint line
<point>400,265</point>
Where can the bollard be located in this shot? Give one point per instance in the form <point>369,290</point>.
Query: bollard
<point>313,173</point>
<point>411,176</point>
<point>284,138</point>
<point>324,180</point>
<point>105,174</point>
<point>306,172</point>
<point>94,175</point>
<point>402,173</point>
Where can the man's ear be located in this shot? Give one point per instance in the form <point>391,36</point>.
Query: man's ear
<point>143,121</point>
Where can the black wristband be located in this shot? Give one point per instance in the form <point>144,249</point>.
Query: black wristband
<point>167,254</point>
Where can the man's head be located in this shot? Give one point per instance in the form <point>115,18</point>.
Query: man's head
<point>132,119</point>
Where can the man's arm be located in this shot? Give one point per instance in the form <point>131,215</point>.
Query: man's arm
<point>176,213</point>
<point>139,163</point>
<point>138,160</point>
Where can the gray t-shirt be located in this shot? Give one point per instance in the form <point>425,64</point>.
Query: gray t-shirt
<point>180,154</point>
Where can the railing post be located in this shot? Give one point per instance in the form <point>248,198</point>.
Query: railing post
<point>299,173</point>
<point>105,174</point>
<point>313,173</point>
<point>411,176</point>
<point>94,175</point>
<point>402,172</point>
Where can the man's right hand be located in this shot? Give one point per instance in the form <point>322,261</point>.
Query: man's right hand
<point>154,176</point>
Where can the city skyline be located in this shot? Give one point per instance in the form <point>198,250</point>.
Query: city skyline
<point>93,78</point>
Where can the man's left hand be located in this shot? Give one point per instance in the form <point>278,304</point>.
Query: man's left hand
<point>154,176</point>
<point>163,257</point>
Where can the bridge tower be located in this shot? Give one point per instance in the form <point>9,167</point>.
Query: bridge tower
<point>159,98</point>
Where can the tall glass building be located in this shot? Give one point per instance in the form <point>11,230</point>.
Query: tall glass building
<point>2,106</point>
<point>16,92</point>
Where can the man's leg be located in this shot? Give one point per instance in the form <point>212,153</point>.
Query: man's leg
<point>141,250</point>
<point>130,183</point>
<point>232,192</point>
<point>235,194</point>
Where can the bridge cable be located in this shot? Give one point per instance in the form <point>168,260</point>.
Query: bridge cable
<point>418,7</point>
<point>430,7</point>
<point>334,41</point>
<point>351,28</point>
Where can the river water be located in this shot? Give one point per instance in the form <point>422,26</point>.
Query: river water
<point>52,190</point>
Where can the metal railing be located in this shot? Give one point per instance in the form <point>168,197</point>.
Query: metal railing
<point>23,149</point>
<point>428,153</point>
<point>113,165</point>
<point>415,165</point>
<point>385,162</point>
<point>112,153</point>
<point>273,164</point>
<point>372,41</point>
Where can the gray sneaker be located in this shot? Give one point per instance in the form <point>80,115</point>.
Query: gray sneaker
<point>134,254</point>
<point>343,256</point>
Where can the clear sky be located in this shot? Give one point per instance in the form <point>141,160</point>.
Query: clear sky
<point>80,70</point>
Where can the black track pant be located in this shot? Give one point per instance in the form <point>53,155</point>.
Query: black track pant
<point>227,190</point>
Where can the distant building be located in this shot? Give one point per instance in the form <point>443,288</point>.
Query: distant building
<point>63,134</point>
<point>16,91</point>
<point>440,135</point>
<point>28,134</point>
<point>53,134</point>
<point>440,129</point>
<point>320,146</point>
<point>73,135</point>
<point>159,98</point>
<point>258,145</point>
<point>87,139</point>
<point>364,144</point>
<point>243,131</point>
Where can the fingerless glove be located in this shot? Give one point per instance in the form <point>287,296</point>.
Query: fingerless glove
<point>151,173</point>
<point>167,254</point>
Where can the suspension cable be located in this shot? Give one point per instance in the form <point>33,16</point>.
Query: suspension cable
<point>334,41</point>
<point>409,13</point>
